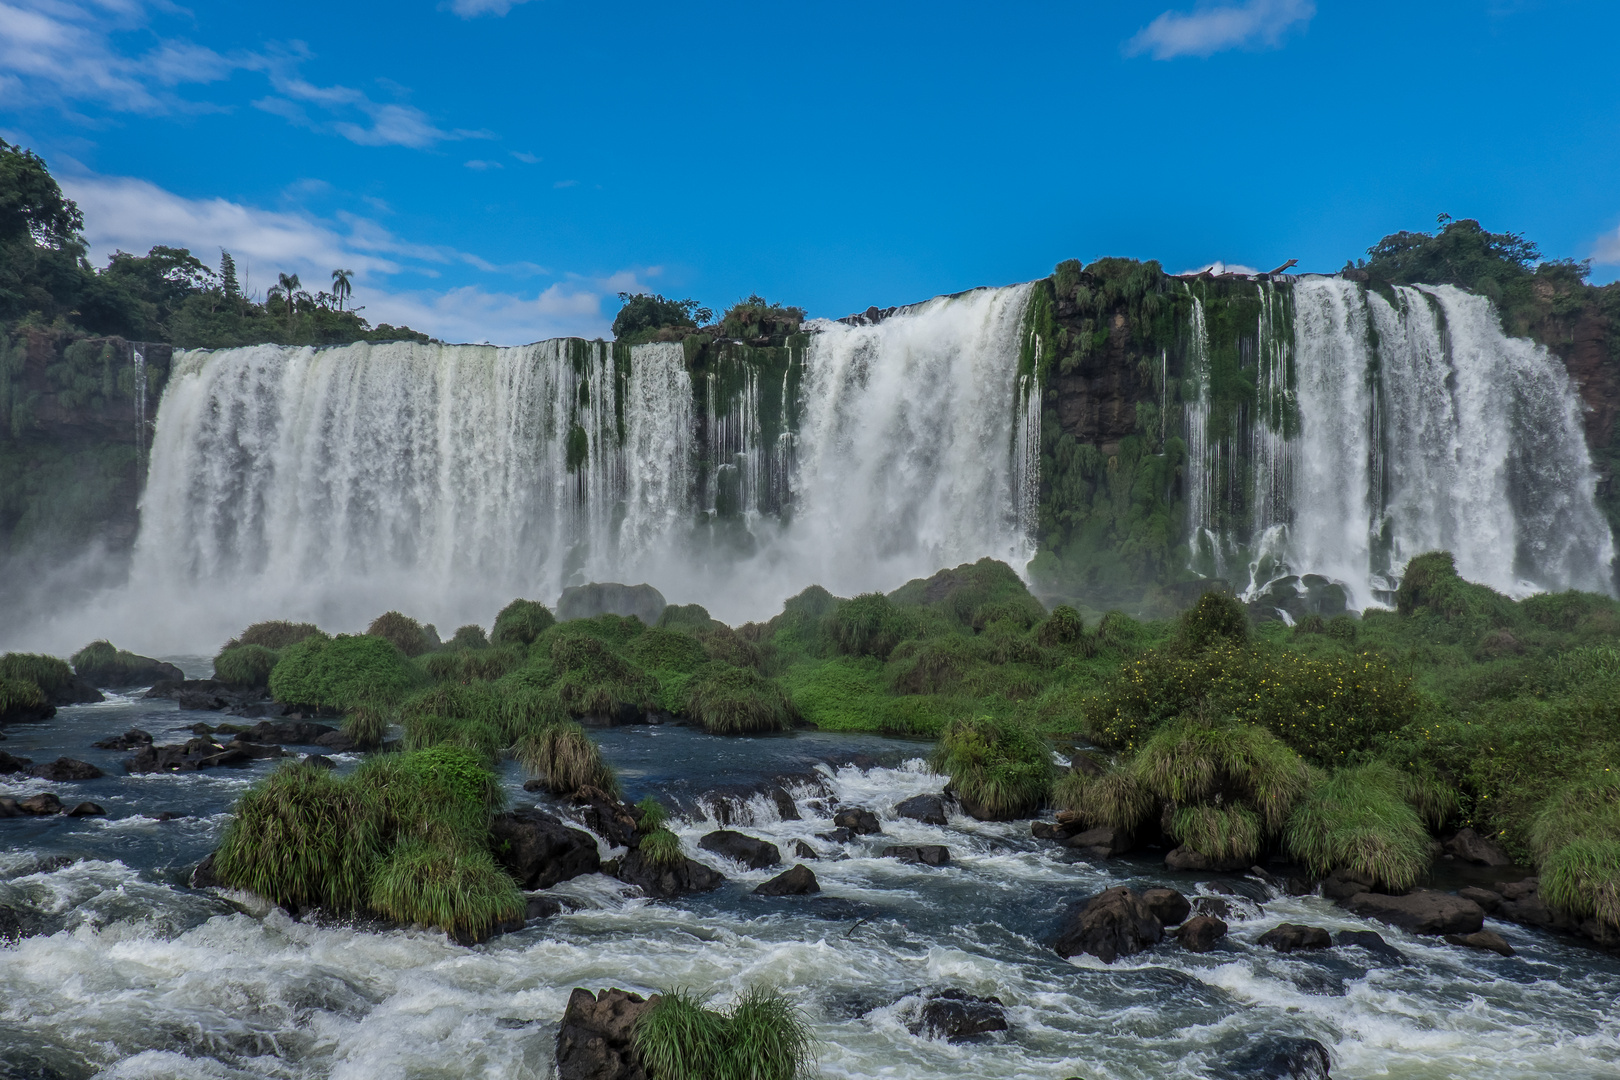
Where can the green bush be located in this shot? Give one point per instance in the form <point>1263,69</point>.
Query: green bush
<point>459,890</point>
<point>763,1038</point>
<point>868,625</point>
<point>689,617</point>
<point>470,636</point>
<point>661,848</point>
<point>100,664</point>
<point>368,725</point>
<point>1062,629</point>
<point>594,680</point>
<point>53,677</point>
<point>1431,585</point>
<point>245,665</point>
<point>1217,618</point>
<point>737,701</point>
<point>650,814</point>
<point>406,633</point>
<point>1360,819</point>
<point>520,622</point>
<point>1195,763</point>
<point>461,665</point>
<point>18,696</point>
<point>663,649</point>
<point>999,768</point>
<point>342,672</point>
<point>276,634</point>
<point>973,595</point>
<point>467,715</point>
<point>1117,799</point>
<point>935,666</point>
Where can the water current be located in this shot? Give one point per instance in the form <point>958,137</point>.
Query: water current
<point>137,975</point>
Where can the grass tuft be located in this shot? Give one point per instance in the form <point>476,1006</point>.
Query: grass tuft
<point>762,1038</point>
<point>520,622</point>
<point>246,665</point>
<point>458,890</point>
<point>737,701</point>
<point>405,632</point>
<point>1000,768</point>
<point>1360,819</point>
<point>661,848</point>
<point>565,759</point>
<point>651,814</point>
<point>276,634</point>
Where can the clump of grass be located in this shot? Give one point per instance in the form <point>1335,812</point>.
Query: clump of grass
<point>762,1038</point>
<point>1583,878</point>
<point>520,622</point>
<point>650,814</point>
<point>693,618</point>
<point>464,714</point>
<point>458,664</point>
<point>565,759</point>
<point>53,676</point>
<point>593,680</point>
<point>368,725</point>
<point>459,890</point>
<point>102,664</point>
<point>1231,831</point>
<point>737,701</point>
<point>1192,761</point>
<point>1062,629</point>
<point>19,696</point>
<point>1116,799</point>
<point>470,636</point>
<point>1000,768</point>
<point>246,665</point>
<point>935,666</point>
<point>662,649</point>
<point>405,632</point>
<point>868,625</point>
<point>342,672</point>
<point>661,848</point>
<point>275,634</point>
<point>1359,819</point>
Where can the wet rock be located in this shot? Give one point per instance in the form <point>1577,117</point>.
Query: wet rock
<point>1200,933</point>
<point>169,815</point>
<point>1113,924</point>
<point>193,754</point>
<point>255,751</point>
<point>928,809</point>
<point>1054,830</point>
<point>596,1040</point>
<point>1100,843</point>
<point>539,850</point>
<point>1469,846</point>
<point>802,850</point>
<point>40,805</point>
<point>337,741</point>
<point>1343,884</point>
<point>1482,939</point>
<point>1283,1059</point>
<point>202,701</point>
<point>1370,940</point>
<point>9,764</point>
<point>9,807</point>
<point>1167,905</point>
<point>837,836</point>
<point>296,732</point>
<point>752,853</point>
<point>128,670</point>
<point>601,813</point>
<point>66,768</point>
<point>1213,906</point>
<point>857,820</point>
<point>1287,937</point>
<point>540,907</point>
<point>795,882</point>
<point>203,877</point>
<point>320,761</point>
<point>1487,900</point>
<point>133,739</point>
<point>87,809</point>
<point>926,854</point>
<point>1420,912</point>
<point>1522,904</point>
<point>955,1015</point>
<point>666,882</point>
<point>786,808</point>
<point>1183,858</point>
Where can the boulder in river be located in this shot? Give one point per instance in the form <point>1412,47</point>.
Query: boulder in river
<point>539,850</point>
<point>1055,830</point>
<point>9,764</point>
<point>540,907</point>
<point>203,877</point>
<point>1185,858</point>
<point>1282,1059</point>
<point>752,853</point>
<point>87,809</point>
<point>955,1015</point>
<point>1370,940</point>
<point>1103,842</point>
<point>297,732</point>
<point>858,820</point>
<point>1482,939</point>
<point>1487,900</point>
<point>601,813</point>
<point>596,1039</point>
<point>133,739</point>
<point>1469,846</point>
<point>1343,884</point>
<point>1167,905</point>
<point>9,807</point>
<point>928,809</point>
<point>668,881</point>
<point>1200,933</point>
<point>798,881</point>
<point>102,665</point>
<point>66,768</point>
<point>1522,903</point>
<point>193,754</point>
<point>40,805</point>
<point>802,850</point>
<point>1420,912</point>
<point>926,854</point>
<point>1113,924</point>
<point>1289,937</point>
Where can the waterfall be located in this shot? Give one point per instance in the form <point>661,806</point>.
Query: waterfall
<point>443,480</point>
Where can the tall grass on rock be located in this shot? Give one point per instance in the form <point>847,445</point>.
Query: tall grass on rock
<point>274,634</point>
<point>342,672</point>
<point>53,676</point>
<point>763,1037</point>
<point>1360,819</point>
<point>459,890</point>
<point>408,635</point>
<point>246,666</point>
<point>1575,837</point>
<point>737,701</point>
<point>565,759</point>
<point>1000,768</point>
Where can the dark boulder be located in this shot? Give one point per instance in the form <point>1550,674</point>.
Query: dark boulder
<point>66,768</point>
<point>610,598</point>
<point>1054,830</point>
<point>837,836</point>
<point>596,1040</point>
<point>540,907</point>
<point>1102,842</point>
<point>928,809</point>
<point>336,741</point>
<point>1522,904</point>
<point>1115,923</point>
<point>1487,900</point>
<point>193,700</point>
<point>9,807</point>
<point>297,732</point>
<point>1469,846</point>
<point>133,739</point>
<point>857,820</point>
<point>40,805</point>
<point>601,813</point>
<point>87,809</point>
<point>1200,933</point>
<point>786,808</point>
<point>1482,939</point>
<point>926,854</point>
<point>1420,912</point>
<point>1213,906</point>
<point>1184,858</point>
<point>795,882</point>
<point>1283,1059</point>
<point>193,754</point>
<point>1343,884</point>
<point>666,882</point>
<point>203,877</point>
<point>119,669</point>
<point>752,853</point>
<point>1167,905</point>
<point>802,850</point>
<point>1370,940</point>
<point>1287,937</point>
<point>9,764</point>
<point>320,761</point>
<point>539,850</point>
<point>955,1015</point>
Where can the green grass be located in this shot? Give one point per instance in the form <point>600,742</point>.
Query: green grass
<point>737,701</point>
<point>1232,831</point>
<point>101,664</point>
<point>661,848</point>
<point>51,675</point>
<point>470,636</point>
<point>1360,819</point>
<point>461,664</point>
<point>342,672</point>
<point>1583,878</point>
<point>19,695</point>
<point>1191,762</point>
<point>276,634</point>
<point>651,814</point>
<point>520,622</point>
<point>843,694</point>
<point>1117,799</point>
<point>461,891</point>
<point>246,665</point>
<point>763,1037</point>
<point>368,725</point>
<point>565,759</point>
<point>999,767</point>
<point>407,635</point>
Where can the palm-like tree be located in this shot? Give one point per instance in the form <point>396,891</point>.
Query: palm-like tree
<point>286,287</point>
<point>341,287</point>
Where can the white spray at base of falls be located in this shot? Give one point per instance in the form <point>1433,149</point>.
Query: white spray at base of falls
<point>334,484</point>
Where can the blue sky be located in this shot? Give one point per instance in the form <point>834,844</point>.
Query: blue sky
<point>498,169</point>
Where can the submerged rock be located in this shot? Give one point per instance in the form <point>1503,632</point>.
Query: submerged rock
<point>66,768</point>
<point>1287,937</point>
<point>1200,933</point>
<point>40,805</point>
<point>1482,939</point>
<point>539,850</point>
<point>610,598</point>
<point>955,1015</point>
<point>1370,940</point>
<point>1487,900</point>
<point>133,739</point>
<point>9,764</point>
<point>1113,924</point>
<point>798,881</point>
<point>1420,912</point>
<point>203,877</point>
<point>752,853</point>
<point>666,882</point>
<point>87,809</point>
<point>193,754</point>
<point>1283,1059</point>
<point>1469,846</point>
<point>596,1039</point>
<point>927,854</point>
<point>928,809</point>
<point>540,907</point>
<point>1167,905</point>
<point>802,850</point>
<point>858,820</point>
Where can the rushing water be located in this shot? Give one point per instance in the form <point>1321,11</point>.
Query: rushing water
<point>140,976</point>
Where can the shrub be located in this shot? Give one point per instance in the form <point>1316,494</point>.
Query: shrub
<point>1117,799</point>
<point>53,677</point>
<point>245,665</point>
<point>565,759</point>
<point>663,649</point>
<point>737,701</point>
<point>367,725</point>
<point>1583,878</point>
<point>1062,629</point>
<point>1359,819</point>
<point>661,848</point>
<point>1342,628</point>
<point>520,622</point>
<point>276,634</point>
<point>643,314</point>
<point>467,665</point>
<point>973,595</point>
<point>444,793</point>
<point>1430,585</point>
<point>1231,831</point>
<point>868,625</point>
<point>593,680</point>
<point>650,814</point>
<point>470,636</point>
<point>763,1038</point>
<point>341,672</point>
<point>1217,618</point>
<point>406,633</point>
<point>689,617</point>
<point>722,643</point>
<point>1191,763</point>
<point>101,664</point>
<point>935,666</point>
<point>999,767</point>
<point>464,714</point>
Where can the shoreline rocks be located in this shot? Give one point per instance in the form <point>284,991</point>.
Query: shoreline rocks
<point>1420,912</point>
<point>667,882</point>
<point>539,850</point>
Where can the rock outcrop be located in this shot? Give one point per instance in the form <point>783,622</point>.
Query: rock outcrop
<point>668,881</point>
<point>750,852</point>
<point>1113,924</point>
<point>798,881</point>
<point>1420,912</point>
<point>596,1040</point>
<point>539,850</point>
<point>955,1015</point>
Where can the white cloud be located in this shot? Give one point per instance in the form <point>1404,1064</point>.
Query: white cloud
<point>484,166</point>
<point>469,9</point>
<point>526,157</point>
<point>566,184</point>
<point>1208,29</point>
<point>1607,251</point>
<point>134,215</point>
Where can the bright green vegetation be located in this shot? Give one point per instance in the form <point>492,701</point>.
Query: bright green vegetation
<point>342,672</point>
<point>762,1038</point>
<point>520,622</point>
<point>661,848</point>
<point>405,837</point>
<point>19,696</point>
<point>52,676</point>
<point>1364,819</point>
<point>408,635</point>
<point>728,700</point>
<point>245,665</point>
<point>643,315</point>
<point>999,768</point>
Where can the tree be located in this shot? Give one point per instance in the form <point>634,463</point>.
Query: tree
<point>643,314</point>
<point>341,288</point>
<point>227,276</point>
<point>286,287</point>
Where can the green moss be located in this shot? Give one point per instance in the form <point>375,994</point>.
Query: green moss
<point>342,672</point>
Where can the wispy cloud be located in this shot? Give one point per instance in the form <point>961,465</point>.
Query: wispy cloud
<point>483,166</point>
<point>526,157</point>
<point>133,215</point>
<point>470,9</point>
<point>1208,29</point>
<point>1607,251</point>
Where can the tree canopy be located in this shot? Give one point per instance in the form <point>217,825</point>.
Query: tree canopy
<point>644,314</point>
